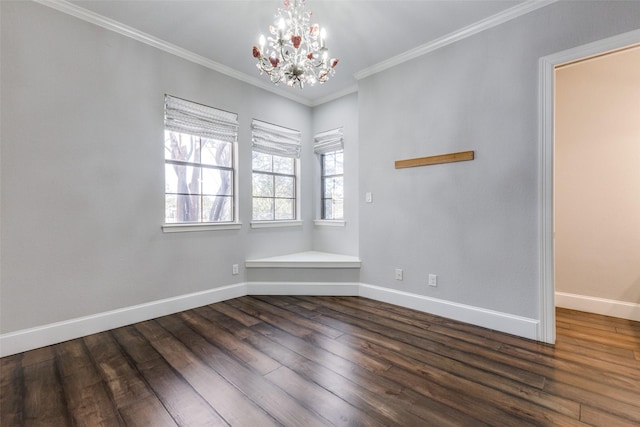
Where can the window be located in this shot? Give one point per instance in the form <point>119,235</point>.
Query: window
<point>276,151</point>
<point>329,146</point>
<point>332,178</point>
<point>199,146</point>
<point>274,187</point>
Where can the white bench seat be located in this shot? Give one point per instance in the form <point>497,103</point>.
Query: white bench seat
<point>308,259</point>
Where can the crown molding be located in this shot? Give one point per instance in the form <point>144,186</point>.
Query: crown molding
<point>117,27</point>
<point>468,31</point>
<point>333,96</point>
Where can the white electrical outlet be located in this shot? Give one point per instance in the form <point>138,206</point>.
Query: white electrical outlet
<point>234,269</point>
<point>433,280</point>
<point>398,274</point>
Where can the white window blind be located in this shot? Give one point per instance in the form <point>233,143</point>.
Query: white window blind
<point>328,141</point>
<point>276,140</point>
<point>196,119</point>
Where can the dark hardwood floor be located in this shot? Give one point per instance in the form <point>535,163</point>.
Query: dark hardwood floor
<point>317,361</point>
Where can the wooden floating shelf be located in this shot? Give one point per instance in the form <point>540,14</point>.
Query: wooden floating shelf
<point>435,160</point>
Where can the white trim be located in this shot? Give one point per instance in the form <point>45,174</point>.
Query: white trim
<point>181,228</point>
<point>125,30</point>
<point>336,95</point>
<point>463,33</point>
<point>28,339</point>
<point>547,332</point>
<point>547,66</point>
<point>276,224</point>
<point>604,306</point>
<point>503,322</point>
<point>329,223</point>
<point>304,288</point>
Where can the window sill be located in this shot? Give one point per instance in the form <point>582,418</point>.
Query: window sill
<point>329,223</point>
<point>274,224</point>
<point>181,228</point>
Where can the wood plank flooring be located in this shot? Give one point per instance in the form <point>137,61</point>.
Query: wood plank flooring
<point>323,361</point>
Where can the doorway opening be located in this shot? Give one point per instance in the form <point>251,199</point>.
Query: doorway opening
<point>546,332</point>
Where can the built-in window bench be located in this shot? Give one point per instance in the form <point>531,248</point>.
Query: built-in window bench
<point>310,272</point>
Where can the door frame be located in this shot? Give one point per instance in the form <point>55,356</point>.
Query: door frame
<point>547,64</point>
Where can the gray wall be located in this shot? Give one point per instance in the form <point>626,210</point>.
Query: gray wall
<point>82,168</point>
<point>475,224</point>
<point>343,113</point>
<point>83,173</point>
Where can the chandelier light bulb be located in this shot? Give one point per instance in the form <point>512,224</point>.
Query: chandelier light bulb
<point>294,53</point>
<point>262,42</point>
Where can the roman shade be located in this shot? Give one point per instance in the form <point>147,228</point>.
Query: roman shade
<point>196,119</point>
<point>272,139</point>
<point>328,141</point>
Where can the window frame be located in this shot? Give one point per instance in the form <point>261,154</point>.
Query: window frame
<point>276,141</point>
<point>323,212</point>
<point>232,168</point>
<point>326,142</point>
<point>265,223</point>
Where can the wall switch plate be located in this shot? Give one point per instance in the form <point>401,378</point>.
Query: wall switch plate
<point>398,274</point>
<point>433,280</point>
<point>368,197</point>
<point>234,269</point>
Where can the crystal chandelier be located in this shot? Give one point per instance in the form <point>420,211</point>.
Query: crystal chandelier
<point>295,52</point>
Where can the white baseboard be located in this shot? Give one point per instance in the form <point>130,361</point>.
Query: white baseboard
<point>503,322</point>
<point>29,339</point>
<point>606,307</point>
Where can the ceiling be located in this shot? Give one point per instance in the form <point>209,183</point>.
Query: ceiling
<point>362,34</point>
